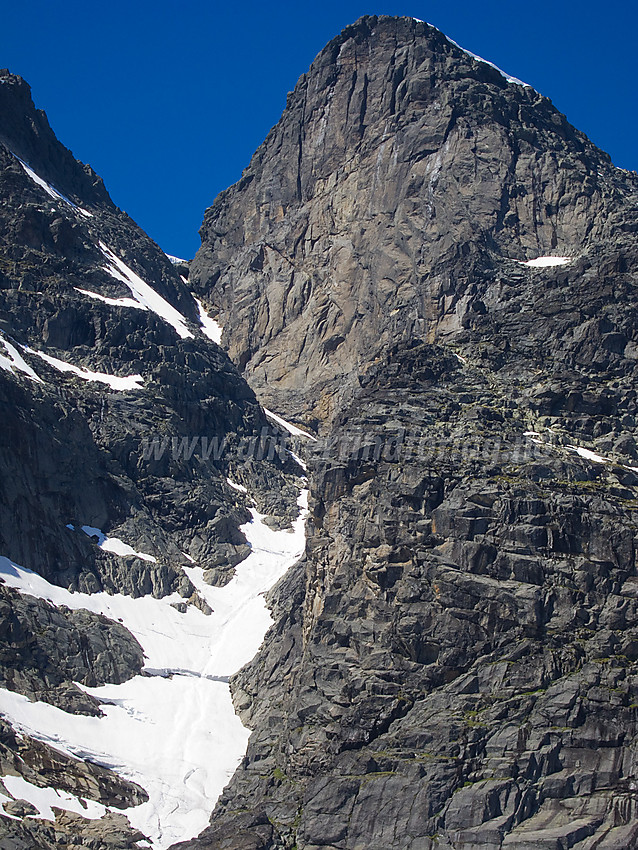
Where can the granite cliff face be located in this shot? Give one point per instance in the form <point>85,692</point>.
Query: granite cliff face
<point>453,665</point>
<point>392,202</point>
<point>453,662</point>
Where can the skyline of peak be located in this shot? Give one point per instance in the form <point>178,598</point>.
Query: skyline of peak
<point>168,109</point>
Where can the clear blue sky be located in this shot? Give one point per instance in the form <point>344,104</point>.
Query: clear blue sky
<point>168,100</point>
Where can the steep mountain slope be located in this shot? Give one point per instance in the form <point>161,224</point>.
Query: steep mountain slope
<point>402,179</point>
<point>454,663</point>
<point>121,424</point>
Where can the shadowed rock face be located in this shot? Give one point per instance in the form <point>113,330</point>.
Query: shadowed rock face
<point>453,664</point>
<point>146,465</point>
<point>76,452</point>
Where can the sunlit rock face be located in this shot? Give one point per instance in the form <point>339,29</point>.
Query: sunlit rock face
<point>389,203</point>
<point>453,664</point>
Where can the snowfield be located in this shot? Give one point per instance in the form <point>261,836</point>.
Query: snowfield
<point>173,729</point>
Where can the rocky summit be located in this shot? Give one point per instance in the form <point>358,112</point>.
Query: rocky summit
<point>427,277</point>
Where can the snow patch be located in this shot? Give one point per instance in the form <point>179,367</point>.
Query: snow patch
<point>51,190</point>
<point>210,327</point>
<point>589,455</point>
<point>535,438</point>
<point>508,77</point>
<point>292,429</point>
<point>131,382</point>
<point>114,544</point>
<point>145,294</point>
<point>298,460</point>
<point>114,302</point>
<point>16,361</point>
<point>545,262</point>
<point>4,799</point>
<point>176,260</point>
<point>596,458</point>
<point>236,486</point>
<point>173,731</point>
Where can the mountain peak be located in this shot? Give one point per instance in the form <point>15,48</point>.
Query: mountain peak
<point>429,275</point>
<point>400,160</point>
<point>26,132</point>
<point>403,29</point>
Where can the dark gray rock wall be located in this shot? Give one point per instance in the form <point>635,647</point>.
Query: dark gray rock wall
<point>453,664</point>
<point>147,465</point>
<point>43,649</point>
<point>456,657</point>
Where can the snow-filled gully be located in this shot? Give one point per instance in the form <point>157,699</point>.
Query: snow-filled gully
<point>172,730</point>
